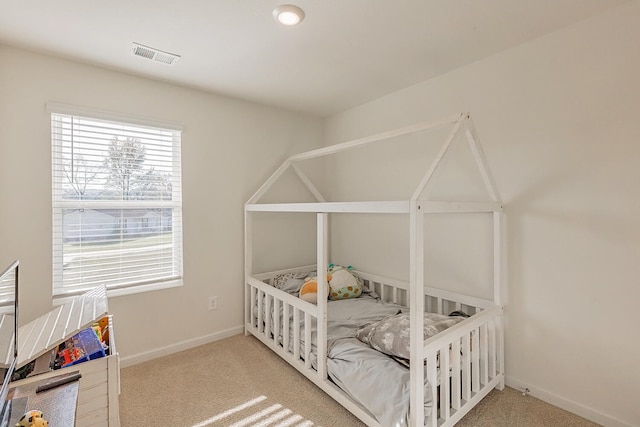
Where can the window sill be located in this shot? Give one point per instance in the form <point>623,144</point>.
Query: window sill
<point>131,290</point>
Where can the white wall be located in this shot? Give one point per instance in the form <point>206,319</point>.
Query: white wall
<point>229,148</point>
<point>558,118</point>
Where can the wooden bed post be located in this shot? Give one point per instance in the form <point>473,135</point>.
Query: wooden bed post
<point>323,289</point>
<point>248,266</point>
<point>498,237</point>
<point>498,262</point>
<point>416,297</point>
<point>497,257</point>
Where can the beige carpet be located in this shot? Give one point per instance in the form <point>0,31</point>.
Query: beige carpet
<point>239,382</point>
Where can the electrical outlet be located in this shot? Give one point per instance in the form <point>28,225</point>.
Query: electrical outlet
<point>213,303</point>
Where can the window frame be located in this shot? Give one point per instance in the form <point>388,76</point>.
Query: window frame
<point>59,204</point>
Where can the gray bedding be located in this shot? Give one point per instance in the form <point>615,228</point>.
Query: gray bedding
<point>378,382</point>
<point>375,380</point>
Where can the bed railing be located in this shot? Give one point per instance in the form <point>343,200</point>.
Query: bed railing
<point>291,345</point>
<point>284,340</point>
<point>475,345</point>
<point>436,300</point>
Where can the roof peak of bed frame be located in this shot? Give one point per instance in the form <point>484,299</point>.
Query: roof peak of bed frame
<point>461,123</point>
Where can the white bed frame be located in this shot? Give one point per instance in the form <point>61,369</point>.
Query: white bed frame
<point>476,344</point>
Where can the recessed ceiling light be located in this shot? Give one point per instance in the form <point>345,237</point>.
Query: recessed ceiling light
<point>288,14</point>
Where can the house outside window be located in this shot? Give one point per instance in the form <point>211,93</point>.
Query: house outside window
<point>117,205</point>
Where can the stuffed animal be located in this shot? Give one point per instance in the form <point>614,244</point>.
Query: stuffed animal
<point>344,283</point>
<point>32,418</point>
<point>309,289</point>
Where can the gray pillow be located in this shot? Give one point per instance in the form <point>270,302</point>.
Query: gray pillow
<point>391,334</point>
<point>290,282</point>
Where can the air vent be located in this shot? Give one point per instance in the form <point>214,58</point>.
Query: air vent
<point>154,54</point>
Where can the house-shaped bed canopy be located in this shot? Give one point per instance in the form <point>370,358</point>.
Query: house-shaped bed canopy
<point>416,207</point>
<point>462,124</point>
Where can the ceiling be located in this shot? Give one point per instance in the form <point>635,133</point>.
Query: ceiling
<point>345,52</point>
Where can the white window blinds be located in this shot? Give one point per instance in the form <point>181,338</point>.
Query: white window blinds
<point>117,205</point>
<point>7,288</point>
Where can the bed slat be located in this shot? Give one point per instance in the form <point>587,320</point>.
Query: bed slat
<point>307,340</point>
<point>484,355</point>
<point>296,334</point>
<point>276,319</point>
<point>260,302</point>
<point>456,375</point>
<point>475,357</point>
<point>286,329</point>
<point>267,310</point>
<point>466,367</point>
<point>432,372</point>
<point>252,306</point>
<point>445,397</point>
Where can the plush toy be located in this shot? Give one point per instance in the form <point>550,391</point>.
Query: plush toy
<point>309,289</point>
<point>32,418</point>
<point>343,283</point>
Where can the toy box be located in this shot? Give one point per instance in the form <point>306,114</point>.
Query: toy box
<point>99,387</point>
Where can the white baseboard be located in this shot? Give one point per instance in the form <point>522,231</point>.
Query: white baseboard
<point>568,405</point>
<point>177,347</point>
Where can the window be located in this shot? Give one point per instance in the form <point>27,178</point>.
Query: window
<point>7,292</point>
<point>117,205</point>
